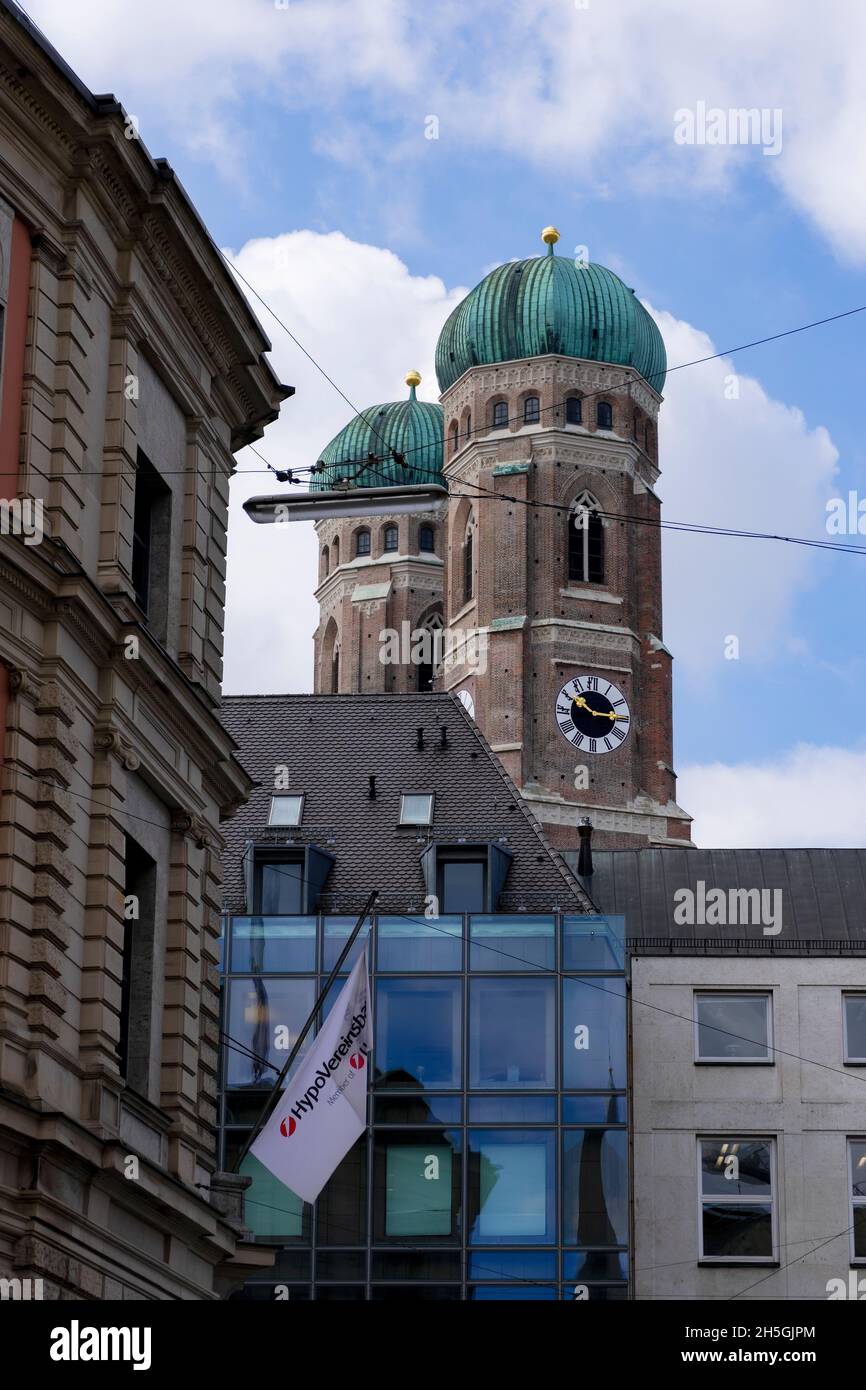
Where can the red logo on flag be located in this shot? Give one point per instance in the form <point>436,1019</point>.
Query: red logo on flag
<point>356,1060</point>
<point>288,1127</point>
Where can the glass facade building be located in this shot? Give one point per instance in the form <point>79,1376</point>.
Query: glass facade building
<point>495,1162</point>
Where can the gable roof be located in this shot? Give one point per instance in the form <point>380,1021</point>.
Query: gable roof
<point>332,744</point>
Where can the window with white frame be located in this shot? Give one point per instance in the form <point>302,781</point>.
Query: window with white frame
<point>854,1027</point>
<point>416,808</point>
<point>857,1161</point>
<point>733,1027</point>
<point>286,809</point>
<point>736,1203</point>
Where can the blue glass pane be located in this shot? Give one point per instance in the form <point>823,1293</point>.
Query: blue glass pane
<point>419,1109</point>
<point>594,1110</point>
<point>512,1264</point>
<point>412,943</point>
<point>463,885</point>
<point>337,932</point>
<point>265,944</point>
<point>280,887</point>
<point>418,1032</point>
<point>533,1293</point>
<point>512,1034</point>
<point>594,1034</point>
<point>265,1016</point>
<point>594,1264</point>
<point>512,1110</point>
<point>595,1187</point>
<point>593,943</point>
<point>523,942</point>
<point>512,1186</point>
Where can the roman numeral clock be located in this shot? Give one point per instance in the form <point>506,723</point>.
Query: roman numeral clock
<point>593,714</point>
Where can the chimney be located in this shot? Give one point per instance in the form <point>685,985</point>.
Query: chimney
<point>584,859</point>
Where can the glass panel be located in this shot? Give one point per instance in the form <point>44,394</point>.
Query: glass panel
<point>337,932</point>
<point>512,1264</point>
<point>411,943</point>
<point>291,1265</point>
<point>340,1293</point>
<point>855,1027</point>
<point>527,1293</point>
<point>416,1264</point>
<point>342,1204</point>
<point>244,1107</point>
<point>263,945</point>
<point>512,1033</point>
<point>462,885</point>
<point>594,1264</point>
<point>417,1185</point>
<point>418,1032</point>
<point>735,1168</point>
<point>512,1110</point>
<point>512,1186</point>
<point>418,1110</point>
<point>743,1231</point>
<point>594,1110</point>
<point>270,1209</point>
<point>595,1293</point>
<point>858,1168</point>
<point>341,1264</point>
<point>279,886</point>
<point>512,943</point>
<point>265,1016</point>
<point>285,810</point>
<point>413,1292</point>
<point>416,810</point>
<point>860,1232</point>
<point>593,1031</point>
<point>595,1188</point>
<point>593,943</point>
<point>734,1027</point>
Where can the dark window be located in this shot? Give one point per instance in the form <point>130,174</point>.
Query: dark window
<point>467,568</point>
<point>454,438</point>
<point>573,412</point>
<point>362,543</point>
<point>531,411</point>
<point>278,885</point>
<point>325,565</point>
<point>500,414</point>
<point>137,980</point>
<point>468,426</point>
<point>647,439</point>
<point>585,546</point>
<point>462,883</point>
<point>426,538</point>
<point>736,1199</point>
<point>335,672</point>
<point>604,415</point>
<point>151,541</point>
<point>390,537</point>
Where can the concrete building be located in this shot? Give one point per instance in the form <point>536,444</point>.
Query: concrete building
<point>131,371</point>
<point>748,1088</point>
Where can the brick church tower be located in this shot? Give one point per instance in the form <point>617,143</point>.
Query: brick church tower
<point>551,374</point>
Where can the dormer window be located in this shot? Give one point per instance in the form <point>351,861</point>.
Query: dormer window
<point>416,808</point>
<point>286,809</point>
<point>531,410</point>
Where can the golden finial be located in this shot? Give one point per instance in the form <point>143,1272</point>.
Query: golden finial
<point>550,236</point>
<point>413,378</point>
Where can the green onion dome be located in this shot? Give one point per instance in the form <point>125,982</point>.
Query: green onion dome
<point>550,304</point>
<point>410,428</point>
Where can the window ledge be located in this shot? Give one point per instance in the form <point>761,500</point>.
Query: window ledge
<point>588,592</point>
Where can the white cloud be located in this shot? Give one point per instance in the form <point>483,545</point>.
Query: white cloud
<point>812,797</point>
<point>367,321</point>
<point>539,79</point>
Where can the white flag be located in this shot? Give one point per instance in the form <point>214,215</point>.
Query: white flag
<point>323,1109</point>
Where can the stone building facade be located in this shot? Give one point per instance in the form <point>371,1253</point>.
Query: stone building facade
<point>131,371</point>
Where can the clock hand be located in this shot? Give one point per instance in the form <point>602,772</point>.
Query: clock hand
<point>598,713</point>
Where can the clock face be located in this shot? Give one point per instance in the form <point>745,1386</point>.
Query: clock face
<point>593,714</point>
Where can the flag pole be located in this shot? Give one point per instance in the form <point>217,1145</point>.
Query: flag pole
<point>273,1097</point>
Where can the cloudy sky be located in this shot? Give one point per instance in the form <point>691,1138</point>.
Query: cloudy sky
<point>301,131</point>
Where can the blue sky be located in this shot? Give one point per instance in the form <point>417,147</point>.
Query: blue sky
<point>299,132</point>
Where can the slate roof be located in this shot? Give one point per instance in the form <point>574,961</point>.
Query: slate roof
<point>823,897</point>
<point>331,745</point>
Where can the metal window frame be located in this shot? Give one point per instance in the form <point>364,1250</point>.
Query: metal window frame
<point>300,797</point>
<point>854,1203</point>
<point>846,1057</point>
<point>737,1200</point>
<point>700,1060</point>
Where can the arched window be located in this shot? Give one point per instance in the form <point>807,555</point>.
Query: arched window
<point>426,538</point>
<point>585,541</point>
<point>325,560</point>
<point>500,415</point>
<point>335,552</point>
<point>390,538</point>
<point>647,438</point>
<point>604,415</point>
<point>468,577</point>
<point>431,651</point>
<point>452,440</point>
<point>468,425</point>
<point>573,412</point>
<point>335,672</point>
<point>636,423</point>
<point>362,542</point>
<point>531,411</point>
